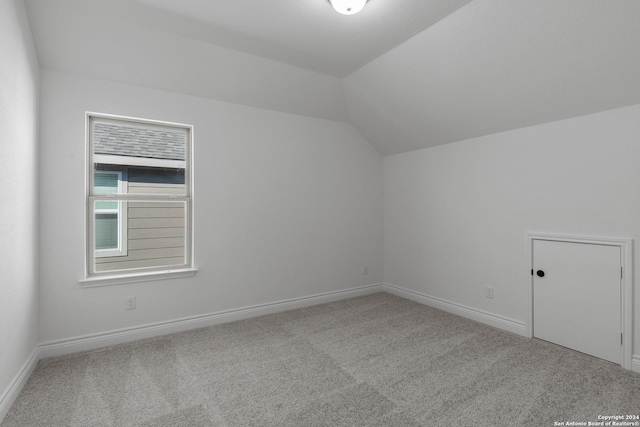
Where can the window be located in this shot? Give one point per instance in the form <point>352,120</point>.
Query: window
<point>139,197</point>
<point>110,216</point>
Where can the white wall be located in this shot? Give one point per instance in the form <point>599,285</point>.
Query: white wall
<point>19,184</point>
<point>456,215</point>
<point>286,206</point>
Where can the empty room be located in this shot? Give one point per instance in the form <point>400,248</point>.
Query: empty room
<point>319,213</point>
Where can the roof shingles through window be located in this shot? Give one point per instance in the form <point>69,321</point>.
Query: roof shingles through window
<point>129,141</point>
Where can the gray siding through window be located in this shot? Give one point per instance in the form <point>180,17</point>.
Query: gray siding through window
<point>156,231</point>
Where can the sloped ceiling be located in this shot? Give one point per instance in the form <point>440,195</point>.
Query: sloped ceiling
<point>131,43</point>
<point>308,33</point>
<point>496,65</point>
<point>407,74</point>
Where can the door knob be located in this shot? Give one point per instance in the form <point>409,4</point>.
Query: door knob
<point>540,273</point>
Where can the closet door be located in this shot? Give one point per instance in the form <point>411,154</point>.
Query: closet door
<point>576,297</point>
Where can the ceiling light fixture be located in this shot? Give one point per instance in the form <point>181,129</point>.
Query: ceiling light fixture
<point>348,7</point>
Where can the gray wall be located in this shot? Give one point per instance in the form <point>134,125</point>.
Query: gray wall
<point>19,183</point>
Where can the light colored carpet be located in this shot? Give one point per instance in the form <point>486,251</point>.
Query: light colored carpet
<point>377,360</point>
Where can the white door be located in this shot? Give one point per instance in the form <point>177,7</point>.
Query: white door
<point>576,297</point>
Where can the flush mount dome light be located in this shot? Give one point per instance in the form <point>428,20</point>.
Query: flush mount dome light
<point>348,7</point>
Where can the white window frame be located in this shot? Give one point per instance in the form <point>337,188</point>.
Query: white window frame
<point>95,278</point>
<point>121,211</point>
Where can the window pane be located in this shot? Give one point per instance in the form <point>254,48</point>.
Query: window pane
<point>106,206</point>
<point>139,141</point>
<point>106,227</point>
<point>156,237</point>
<point>105,182</point>
<point>156,181</point>
<point>153,156</point>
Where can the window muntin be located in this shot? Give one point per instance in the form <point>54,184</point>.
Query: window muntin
<point>151,208</point>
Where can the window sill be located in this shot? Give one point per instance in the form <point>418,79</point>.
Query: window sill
<point>121,279</point>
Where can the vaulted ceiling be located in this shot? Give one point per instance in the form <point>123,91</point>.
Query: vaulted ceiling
<point>407,74</point>
<point>309,33</point>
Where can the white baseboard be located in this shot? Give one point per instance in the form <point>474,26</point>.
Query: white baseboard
<point>15,387</point>
<point>635,363</point>
<point>494,320</point>
<point>103,339</point>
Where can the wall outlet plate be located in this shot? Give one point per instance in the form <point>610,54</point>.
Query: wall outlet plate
<point>488,291</point>
<point>130,302</point>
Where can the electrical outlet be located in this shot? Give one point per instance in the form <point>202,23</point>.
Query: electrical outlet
<point>366,269</point>
<point>130,302</point>
<point>488,291</point>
